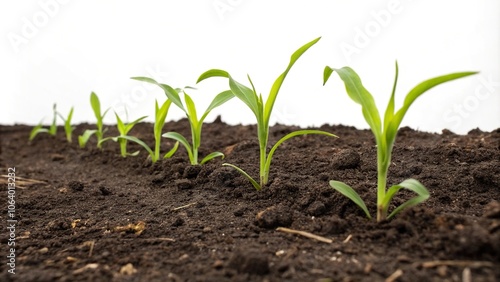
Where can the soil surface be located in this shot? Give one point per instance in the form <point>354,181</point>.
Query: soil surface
<point>96,216</point>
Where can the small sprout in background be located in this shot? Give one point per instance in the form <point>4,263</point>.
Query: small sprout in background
<point>195,123</point>
<point>160,116</point>
<point>385,135</point>
<point>124,129</point>
<point>262,112</point>
<point>96,107</point>
<point>52,130</point>
<point>68,128</point>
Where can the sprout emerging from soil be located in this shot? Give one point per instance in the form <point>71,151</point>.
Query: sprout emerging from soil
<point>195,123</point>
<point>262,111</point>
<point>52,130</point>
<point>385,135</point>
<point>99,132</point>
<point>124,129</point>
<point>160,116</point>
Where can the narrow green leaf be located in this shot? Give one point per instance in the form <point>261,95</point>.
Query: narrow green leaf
<point>96,105</point>
<point>415,93</point>
<point>211,156</point>
<point>327,72</point>
<point>120,125</point>
<point>138,141</point>
<point>350,193</point>
<point>246,95</point>
<point>254,183</point>
<point>131,125</point>
<point>410,184</point>
<point>191,110</point>
<point>212,73</point>
<point>37,130</point>
<point>358,93</point>
<point>176,136</point>
<point>84,138</point>
<point>389,111</point>
<point>220,99</point>
<point>170,92</point>
<point>279,81</point>
<point>172,151</point>
<point>288,136</point>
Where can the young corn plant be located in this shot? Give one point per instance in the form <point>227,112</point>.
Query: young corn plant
<point>99,132</point>
<point>123,129</point>
<point>52,130</point>
<point>262,111</point>
<point>385,135</point>
<point>68,128</point>
<point>191,114</point>
<point>160,116</point>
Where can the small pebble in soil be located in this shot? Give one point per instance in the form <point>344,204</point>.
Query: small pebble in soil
<point>104,191</point>
<point>317,208</point>
<point>76,185</point>
<point>191,172</point>
<point>346,159</point>
<point>274,216</point>
<point>492,210</point>
<point>249,262</point>
<point>183,184</point>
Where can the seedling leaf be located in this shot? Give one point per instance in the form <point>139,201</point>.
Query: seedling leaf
<point>172,151</point>
<point>410,184</point>
<point>177,137</point>
<point>84,138</point>
<point>349,192</point>
<point>211,156</point>
<point>254,183</point>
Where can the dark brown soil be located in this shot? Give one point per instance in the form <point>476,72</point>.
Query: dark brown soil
<point>100,217</point>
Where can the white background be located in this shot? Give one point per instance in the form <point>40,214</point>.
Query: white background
<point>55,51</point>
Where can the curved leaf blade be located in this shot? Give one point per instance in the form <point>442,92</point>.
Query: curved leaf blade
<point>172,151</point>
<point>211,156</point>
<point>358,93</point>
<point>291,135</point>
<point>350,193</point>
<point>178,137</point>
<point>279,81</point>
<point>212,73</point>
<point>412,185</point>
<point>219,100</point>
<point>254,183</point>
<point>138,141</point>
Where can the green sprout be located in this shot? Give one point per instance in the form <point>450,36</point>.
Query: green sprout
<point>52,130</point>
<point>124,129</point>
<point>262,111</point>
<point>160,116</point>
<point>96,107</point>
<point>68,128</point>
<point>195,123</point>
<point>385,134</point>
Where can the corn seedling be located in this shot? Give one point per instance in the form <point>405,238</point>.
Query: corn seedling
<point>195,123</point>
<point>52,130</point>
<point>385,135</point>
<point>68,128</point>
<point>124,129</point>
<point>160,116</point>
<point>96,107</point>
<point>262,111</point>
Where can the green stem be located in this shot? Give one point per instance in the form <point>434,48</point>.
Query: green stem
<point>123,147</point>
<point>382,169</point>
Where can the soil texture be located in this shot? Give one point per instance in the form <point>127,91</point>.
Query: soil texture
<point>91,215</point>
